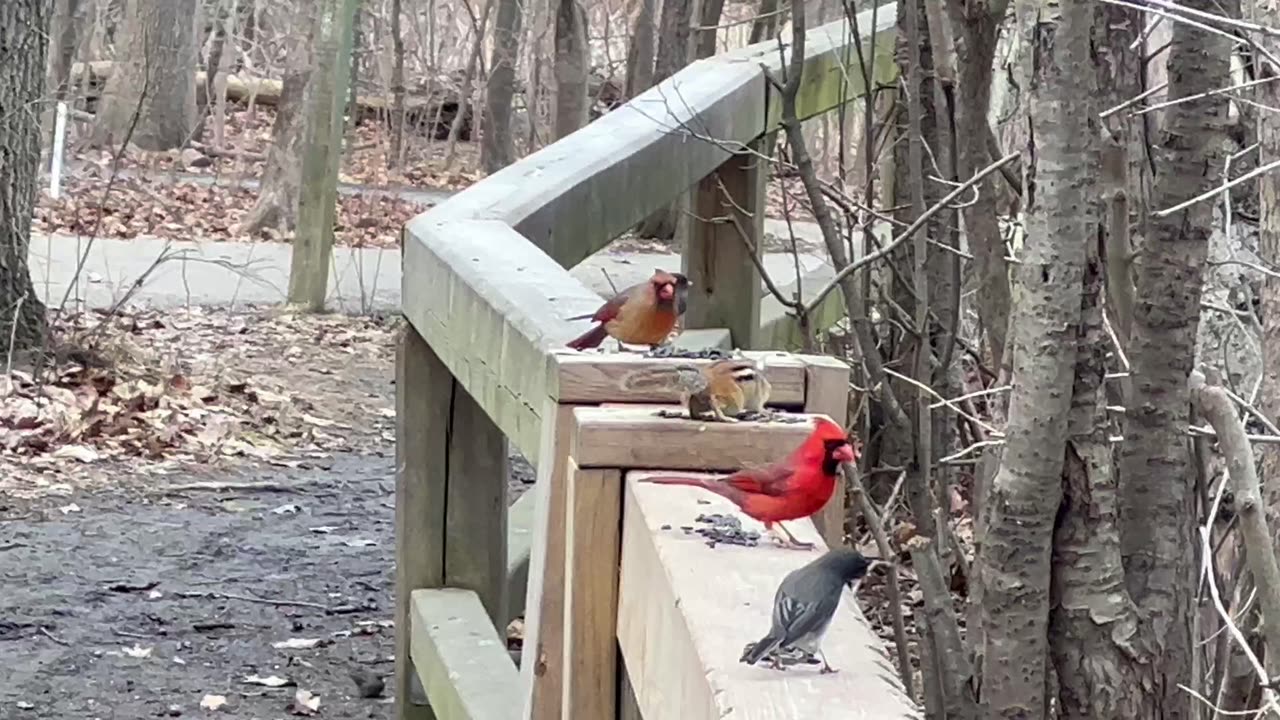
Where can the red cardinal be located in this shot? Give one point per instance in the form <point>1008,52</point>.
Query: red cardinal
<point>796,487</point>
<point>643,314</point>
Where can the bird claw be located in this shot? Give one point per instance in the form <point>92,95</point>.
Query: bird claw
<point>827,670</point>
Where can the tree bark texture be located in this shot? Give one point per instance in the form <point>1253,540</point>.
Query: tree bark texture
<point>1016,554</point>
<point>497,149</point>
<point>571,67</point>
<point>23,42</point>
<point>640,51</point>
<point>709,18</point>
<point>396,154</point>
<point>1268,11</point>
<point>1157,480</point>
<point>1093,624</point>
<point>156,85</point>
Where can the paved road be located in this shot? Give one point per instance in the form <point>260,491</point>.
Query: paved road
<point>222,273</point>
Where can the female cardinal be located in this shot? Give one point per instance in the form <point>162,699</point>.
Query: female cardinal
<point>643,314</point>
<point>796,487</point>
<point>804,605</point>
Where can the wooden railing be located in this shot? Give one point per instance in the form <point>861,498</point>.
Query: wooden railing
<point>483,364</point>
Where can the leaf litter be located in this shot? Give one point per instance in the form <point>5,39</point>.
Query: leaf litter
<point>158,391</point>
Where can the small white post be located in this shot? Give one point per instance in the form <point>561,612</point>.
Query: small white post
<point>55,164</point>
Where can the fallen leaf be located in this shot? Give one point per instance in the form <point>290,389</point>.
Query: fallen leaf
<point>213,702</point>
<point>304,703</point>
<point>296,644</point>
<point>137,651</point>
<point>289,509</point>
<point>359,542</point>
<point>269,681</point>
<point>72,508</point>
<point>79,453</point>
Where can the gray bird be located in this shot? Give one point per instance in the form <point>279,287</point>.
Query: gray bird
<point>804,605</point>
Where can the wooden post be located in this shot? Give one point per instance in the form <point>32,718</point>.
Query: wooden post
<point>594,515</point>
<point>541,660</point>
<point>827,392</point>
<point>475,536</point>
<point>725,282</point>
<point>423,390</point>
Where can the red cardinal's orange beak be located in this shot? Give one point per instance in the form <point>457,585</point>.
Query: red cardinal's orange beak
<point>666,291</point>
<point>845,453</point>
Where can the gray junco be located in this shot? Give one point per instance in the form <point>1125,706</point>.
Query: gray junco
<point>804,605</point>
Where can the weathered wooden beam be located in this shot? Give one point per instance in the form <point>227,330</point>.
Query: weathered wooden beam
<point>541,669</point>
<point>827,393</point>
<point>422,422</point>
<point>723,234</point>
<point>596,378</point>
<point>574,196</point>
<point>460,658</point>
<point>639,438</point>
<point>492,306</point>
<point>475,537</point>
<point>704,338</point>
<point>686,611</point>
<point>594,521</point>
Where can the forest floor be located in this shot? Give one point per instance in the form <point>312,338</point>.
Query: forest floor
<point>202,511</point>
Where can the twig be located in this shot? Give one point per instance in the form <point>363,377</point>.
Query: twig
<point>874,521</point>
<point>1132,101</point>
<point>954,407</point>
<point>47,633</point>
<point>1217,189</point>
<point>251,599</point>
<point>1210,93</point>
<point>263,486</point>
<point>605,272</point>
<point>908,233</point>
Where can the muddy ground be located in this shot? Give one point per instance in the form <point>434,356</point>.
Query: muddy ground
<point>127,598</point>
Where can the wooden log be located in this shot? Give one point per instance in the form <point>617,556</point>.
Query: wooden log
<point>594,521</point>
<point>422,422</point>
<point>476,516</point>
<point>597,377</point>
<point>827,393</point>
<point>461,659</point>
<point>616,437</point>
<point>686,611</point>
<point>725,239</point>
<point>541,668</point>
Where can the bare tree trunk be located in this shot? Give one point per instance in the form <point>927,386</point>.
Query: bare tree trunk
<point>1093,624</point>
<point>1157,478</point>
<point>276,209</point>
<point>23,28</point>
<point>155,82</point>
<point>322,153</point>
<point>766,22</point>
<point>571,67</point>
<point>1015,556</point>
<point>64,31</point>
<point>396,155</point>
<point>709,18</point>
<point>640,51</point>
<point>673,54</point>
<point>497,150</point>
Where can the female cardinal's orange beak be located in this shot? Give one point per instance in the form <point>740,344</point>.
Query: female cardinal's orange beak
<point>666,291</point>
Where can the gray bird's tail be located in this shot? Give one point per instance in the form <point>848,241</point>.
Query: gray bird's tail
<point>756,651</point>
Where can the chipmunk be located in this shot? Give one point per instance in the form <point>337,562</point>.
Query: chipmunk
<point>724,389</point>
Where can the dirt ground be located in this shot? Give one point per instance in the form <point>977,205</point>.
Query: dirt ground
<point>139,594</point>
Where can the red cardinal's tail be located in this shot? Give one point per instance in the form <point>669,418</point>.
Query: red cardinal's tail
<point>589,339</point>
<point>715,485</point>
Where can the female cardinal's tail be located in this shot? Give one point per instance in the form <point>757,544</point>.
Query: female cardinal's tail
<point>589,339</point>
<point>758,649</point>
